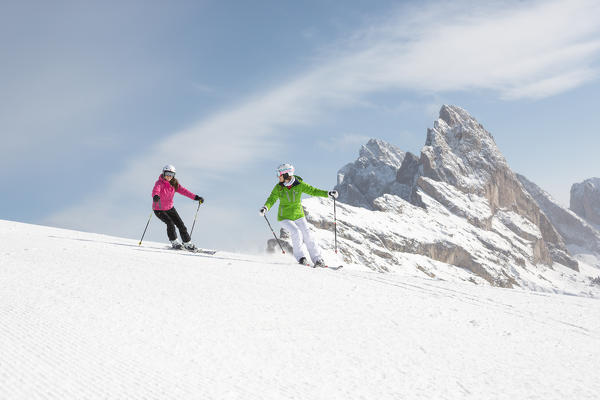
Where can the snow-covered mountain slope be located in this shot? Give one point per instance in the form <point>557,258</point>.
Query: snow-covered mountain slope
<point>576,232</point>
<point>433,242</point>
<point>459,204</point>
<point>87,316</point>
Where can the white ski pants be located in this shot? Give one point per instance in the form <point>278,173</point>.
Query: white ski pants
<point>300,234</point>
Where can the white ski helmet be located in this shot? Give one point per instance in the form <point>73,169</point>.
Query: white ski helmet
<point>169,168</point>
<point>285,169</point>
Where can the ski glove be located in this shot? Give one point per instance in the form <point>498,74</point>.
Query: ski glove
<point>156,198</point>
<point>199,198</point>
<point>263,210</point>
<point>334,194</point>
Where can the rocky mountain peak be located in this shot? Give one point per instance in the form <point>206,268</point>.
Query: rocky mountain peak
<point>361,182</point>
<point>460,172</point>
<point>455,116</point>
<point>378,152</point>
<point>458,150</point>
<point>585,200</point>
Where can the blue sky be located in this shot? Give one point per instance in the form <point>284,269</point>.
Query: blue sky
<point>96,98</point>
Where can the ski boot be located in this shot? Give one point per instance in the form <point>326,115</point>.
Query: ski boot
<point>303,261</point>
<point>320,263</point>
<point>190,246</point>
<point>176,245</point>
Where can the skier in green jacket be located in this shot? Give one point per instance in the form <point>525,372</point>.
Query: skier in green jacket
<point>291,215</point>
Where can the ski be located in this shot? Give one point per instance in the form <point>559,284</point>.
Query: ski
<point>197,250</point>
<point>335,268</point>
<point>203,251</point>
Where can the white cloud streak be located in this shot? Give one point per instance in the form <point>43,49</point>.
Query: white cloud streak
<point>514,49</point>
<point>343,142</point>
<point>446,48</point>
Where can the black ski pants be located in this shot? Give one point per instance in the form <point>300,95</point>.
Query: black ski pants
<point>172,219</point>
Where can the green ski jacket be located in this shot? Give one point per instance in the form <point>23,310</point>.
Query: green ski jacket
<point>289,198</point>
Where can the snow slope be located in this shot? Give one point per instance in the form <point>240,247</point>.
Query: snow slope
<point>387,240</point>
<point>87,316</point>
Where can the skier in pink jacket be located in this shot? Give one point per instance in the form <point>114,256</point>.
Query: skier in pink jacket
<point>162,196</point>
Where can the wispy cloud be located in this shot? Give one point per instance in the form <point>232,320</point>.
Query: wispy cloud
<point>342,142</point>
<point>512,48</point>
<point>549,86</point>
<point>506,47</point>
<point>518,49</point>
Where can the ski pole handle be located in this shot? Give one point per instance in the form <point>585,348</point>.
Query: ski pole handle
<point>275,236</point>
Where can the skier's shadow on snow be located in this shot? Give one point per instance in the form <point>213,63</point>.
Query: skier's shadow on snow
<point>162,250</point>
<point>210,256</point>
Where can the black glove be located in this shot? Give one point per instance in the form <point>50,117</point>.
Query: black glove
<point>200,199</point>
<point>263,210</point>
<point>156,198</point>
<point>334,194</point>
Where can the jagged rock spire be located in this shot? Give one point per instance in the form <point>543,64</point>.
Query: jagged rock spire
<point>460,169</point>
<point>362,181</point>
<point>585,200</point>
<point>459,151</point>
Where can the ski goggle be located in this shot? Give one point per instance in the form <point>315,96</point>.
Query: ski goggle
<point>169,173</point>
<point>288,171</point>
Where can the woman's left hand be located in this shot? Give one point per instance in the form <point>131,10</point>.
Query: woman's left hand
<point>200,199</point>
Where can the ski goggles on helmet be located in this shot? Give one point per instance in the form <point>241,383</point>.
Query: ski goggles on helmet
<point>285,169</point>
<point>169,173</point>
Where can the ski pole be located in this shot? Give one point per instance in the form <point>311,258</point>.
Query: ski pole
<point>143,234</point>
<point>275,236</point>
<point>335,225</point>
<point>195,219</point>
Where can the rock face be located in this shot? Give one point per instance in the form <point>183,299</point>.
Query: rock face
<point>459,204</point>
<point>361,182</point>
<point>585,200</point>
<point>576,232</point>
<point>461,153</point>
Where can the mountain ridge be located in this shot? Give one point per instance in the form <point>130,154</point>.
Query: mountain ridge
<point>500,233</point>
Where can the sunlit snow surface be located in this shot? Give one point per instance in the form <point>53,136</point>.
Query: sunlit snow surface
<point>87,316</point>
<point>374,237</point>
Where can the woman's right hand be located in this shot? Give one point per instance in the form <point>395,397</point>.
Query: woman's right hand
<point>156,198</point>
<point>263,210</point>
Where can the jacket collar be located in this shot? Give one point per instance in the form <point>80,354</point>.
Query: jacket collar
<point>297,181</point>
<point>163,180</point>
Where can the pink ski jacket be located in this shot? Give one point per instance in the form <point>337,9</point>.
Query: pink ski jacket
<point>165,191</point>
